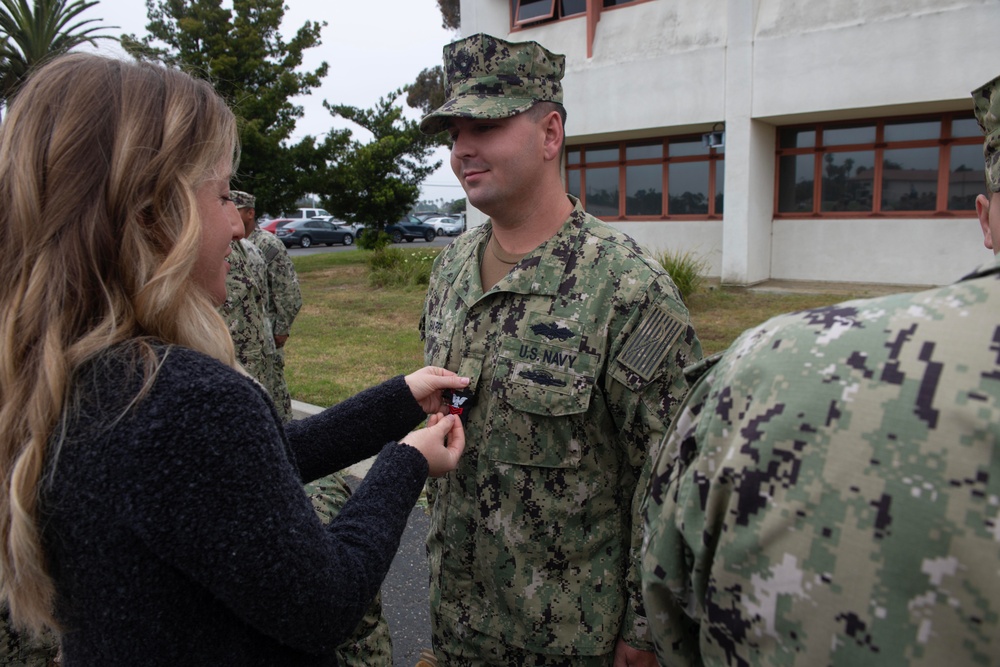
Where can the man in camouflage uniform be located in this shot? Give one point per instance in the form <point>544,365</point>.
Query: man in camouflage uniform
<point>574,340</point>
<point>243,311</point>
<point>829,492</point>
<point>283,299</point>
<point>266,297</point>
<point>260,320</point>
<point>370,645</point>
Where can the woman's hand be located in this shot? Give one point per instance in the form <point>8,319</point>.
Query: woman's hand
<point>427,383</point>
<point>441,442</point>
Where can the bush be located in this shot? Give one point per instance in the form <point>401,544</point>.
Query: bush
<point>686,269</point>
<point>370,239</point>
<point>392,267</point>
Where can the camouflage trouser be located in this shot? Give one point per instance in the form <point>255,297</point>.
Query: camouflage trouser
<point>456,644</point>
<point>277,387</point>
<point>370,645</point>
<point>19,651</point>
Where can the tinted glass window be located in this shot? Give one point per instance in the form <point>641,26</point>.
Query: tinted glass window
<point>573,183</point>
<point>912,131</point>
<point>601,154</point>
<point>797,138</point>
<point>849,135</point>
<point>644,151</point>
<point>602,191</point>
<point>847,181</point>
<point>644,190</point>
<point>909,179</point>
<point>533,9</point>
<point>688,188</point>
<point>911,157</point>
<point>795,183</point>
<point>685,148</point>
<point>720,185</point>
<point>966,177</point>
<point>965,127</point>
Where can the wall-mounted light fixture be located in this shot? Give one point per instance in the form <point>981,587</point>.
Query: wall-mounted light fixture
<point>716,138</point>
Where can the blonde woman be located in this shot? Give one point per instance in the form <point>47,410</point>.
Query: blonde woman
<point>152,510</point>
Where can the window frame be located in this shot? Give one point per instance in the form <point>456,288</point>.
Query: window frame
<point>556,13</point>
<point>943,143</point>
<point>712,157</point>
<point>516,8</point>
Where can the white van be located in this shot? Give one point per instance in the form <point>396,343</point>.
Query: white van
<point>303,213</point>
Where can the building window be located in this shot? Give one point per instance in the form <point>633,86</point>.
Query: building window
<point>528,12</point>
<point>919,166</point>
<point>650,179</point>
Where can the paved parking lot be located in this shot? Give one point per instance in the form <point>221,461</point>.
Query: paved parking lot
<point>439,242</point>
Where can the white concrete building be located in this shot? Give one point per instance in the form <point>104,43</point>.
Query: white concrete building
<point>872,95</point>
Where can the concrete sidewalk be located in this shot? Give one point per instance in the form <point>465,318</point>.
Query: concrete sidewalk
<point>848,290</point>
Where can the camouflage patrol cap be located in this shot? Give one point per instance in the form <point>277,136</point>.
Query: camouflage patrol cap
<point>486,77</point>
<point>986,100</point>
<point>242,199</point>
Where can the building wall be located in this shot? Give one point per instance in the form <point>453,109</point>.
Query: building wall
<point>918,251</point>
<point>668,67</point>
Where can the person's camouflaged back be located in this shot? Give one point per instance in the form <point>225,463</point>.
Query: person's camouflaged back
<point>830,492</point>
<point>986,101</point>
<point>370,645</point>
<point>243,311</point>
<point>284,293</point>
<point>487,77</point>
<point>283,299</point>
<point>576,358</point>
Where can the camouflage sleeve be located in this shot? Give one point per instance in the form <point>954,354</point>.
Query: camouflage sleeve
<point>286,297</point>
<point>647,385</point>
<point>665,584</point>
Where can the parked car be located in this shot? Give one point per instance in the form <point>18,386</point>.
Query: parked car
<point>410,228</point>
<point>307,232</point>
<point>273,224</point>
<point>353,227</point>
<point>303,213</point>
<point>445,225</point>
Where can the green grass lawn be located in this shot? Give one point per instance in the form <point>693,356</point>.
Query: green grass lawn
<point>350,335</point>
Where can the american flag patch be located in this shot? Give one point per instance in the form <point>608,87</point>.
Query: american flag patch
<point>649,344</point>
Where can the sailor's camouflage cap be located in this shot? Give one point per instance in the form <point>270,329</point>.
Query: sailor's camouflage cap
<point>487,77</point>
<point>986,99</point>
<point>242,199</point>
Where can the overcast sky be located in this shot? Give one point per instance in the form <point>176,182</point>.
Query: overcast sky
<point>371,46</point>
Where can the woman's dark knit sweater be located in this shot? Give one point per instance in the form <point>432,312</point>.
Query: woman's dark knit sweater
<point>177,530</point>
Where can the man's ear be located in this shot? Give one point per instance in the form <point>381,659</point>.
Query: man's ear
<point>983,213</point>
<point>554,134</point>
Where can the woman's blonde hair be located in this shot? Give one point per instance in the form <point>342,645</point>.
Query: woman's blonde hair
<point>99,233</point>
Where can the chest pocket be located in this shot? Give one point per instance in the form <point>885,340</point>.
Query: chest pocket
<point>545,385</point>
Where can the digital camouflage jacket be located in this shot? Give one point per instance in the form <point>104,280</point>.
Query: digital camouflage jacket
<point>244,313</point>
<point>830,492</point>
<point>284,296</point>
